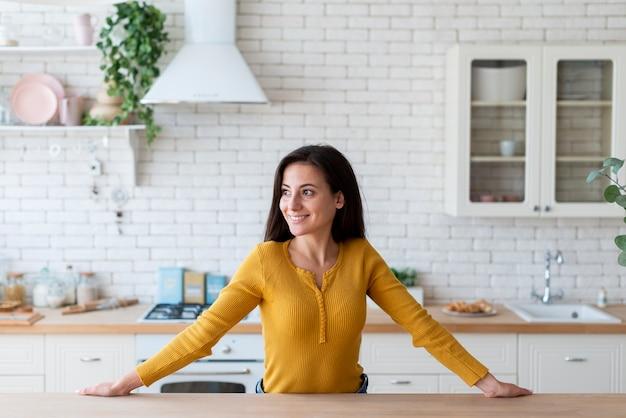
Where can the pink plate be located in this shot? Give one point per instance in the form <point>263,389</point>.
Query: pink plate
<point>46,79</point>
<point>34,103</point>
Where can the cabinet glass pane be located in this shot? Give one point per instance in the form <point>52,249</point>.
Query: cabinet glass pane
<point>583,127</point>
<point>498,131</point>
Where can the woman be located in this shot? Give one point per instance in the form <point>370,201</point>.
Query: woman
<point>310,278</point>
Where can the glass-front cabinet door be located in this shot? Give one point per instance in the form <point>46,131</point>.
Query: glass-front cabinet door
<point>583,105</point>
<point>493,123</point>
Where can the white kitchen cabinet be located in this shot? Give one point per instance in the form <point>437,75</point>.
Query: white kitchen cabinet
<point>552,363</point>
<point>395,366</point>
<point>21,363</point>
<point>21,355</point>
<point>564,123</point>
<point>76,361</point>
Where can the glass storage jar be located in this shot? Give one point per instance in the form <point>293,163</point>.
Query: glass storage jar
<point>15,290</point>
<point>86,291</point>
<point>40,291</point>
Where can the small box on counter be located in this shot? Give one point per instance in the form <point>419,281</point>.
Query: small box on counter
<point>214,284</point>
<point>193,287</point>
<point>170,281</point>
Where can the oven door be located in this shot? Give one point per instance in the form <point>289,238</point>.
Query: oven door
<point>211,377</point>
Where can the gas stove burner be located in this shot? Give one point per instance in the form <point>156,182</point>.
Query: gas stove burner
<point>175,312</point>
<point>186,313</point>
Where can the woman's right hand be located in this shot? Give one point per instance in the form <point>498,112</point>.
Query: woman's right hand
<point>122,387</point>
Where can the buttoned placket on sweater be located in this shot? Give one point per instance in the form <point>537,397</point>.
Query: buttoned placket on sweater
<point>309,279</point>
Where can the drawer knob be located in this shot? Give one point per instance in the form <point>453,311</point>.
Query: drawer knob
<point>226,349</point>
<point>90,359</point>
<point>575,359</point>
<point>400,382</point>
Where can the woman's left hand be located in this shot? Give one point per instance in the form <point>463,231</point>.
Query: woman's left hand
<point>493,388</point>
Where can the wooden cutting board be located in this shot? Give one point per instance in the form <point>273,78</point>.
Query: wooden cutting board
<point>19,318</point>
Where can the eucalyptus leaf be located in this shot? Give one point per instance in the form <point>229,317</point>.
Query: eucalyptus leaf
<point>614,163</point>
<point>611,193</point>
<point>594,175</point>
<point>620,241</point>
<point>621,259</point>
<point>621,200</point>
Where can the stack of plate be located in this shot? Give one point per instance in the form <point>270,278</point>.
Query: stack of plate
<point>35,99</point>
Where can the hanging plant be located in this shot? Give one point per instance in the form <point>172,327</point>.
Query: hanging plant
<point>132,40</point>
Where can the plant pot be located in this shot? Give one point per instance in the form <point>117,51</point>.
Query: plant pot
<point>498,81</point>
<point>105,111</point>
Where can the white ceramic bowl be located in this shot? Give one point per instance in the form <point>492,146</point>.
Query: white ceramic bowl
<point>498,81</point>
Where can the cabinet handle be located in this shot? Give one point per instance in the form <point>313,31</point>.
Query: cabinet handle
<point>547,208</point>
<point>90,359</point>
<point>536,208</point>
<point>226,349</point>
<point>575,359</point>
<point>400,382</point>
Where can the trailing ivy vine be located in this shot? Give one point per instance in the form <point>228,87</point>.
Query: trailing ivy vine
<point>131,41</point>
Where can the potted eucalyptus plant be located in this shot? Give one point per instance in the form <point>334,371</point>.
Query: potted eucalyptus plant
<point>131,41</point>
<point>614,193</point>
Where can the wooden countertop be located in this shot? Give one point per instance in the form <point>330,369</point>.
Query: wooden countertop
<point>124,321</point>
<point>62,405</point>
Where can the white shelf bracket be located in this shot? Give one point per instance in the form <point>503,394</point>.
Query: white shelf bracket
<point>133,143</point>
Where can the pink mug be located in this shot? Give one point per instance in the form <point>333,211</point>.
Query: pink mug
<point>71,111</point>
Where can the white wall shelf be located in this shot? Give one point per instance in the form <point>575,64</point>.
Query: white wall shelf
<point>574,159</point>
<point>496,159</point>
<point>584,103</point>
<point>515,103</point>
<point>8,50</point>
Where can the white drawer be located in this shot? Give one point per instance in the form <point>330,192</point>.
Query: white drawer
<point>76,361</point>
<point>21,384</point>
<point>21,354</point>
<point>573,363</point>
<point>394,353</point>
<point>401,383</point>
<point>449,383</point>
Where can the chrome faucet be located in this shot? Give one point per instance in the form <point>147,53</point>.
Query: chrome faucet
<point>548,296</point>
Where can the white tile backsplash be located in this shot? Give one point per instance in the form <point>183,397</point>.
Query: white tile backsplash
<point>366,77</point>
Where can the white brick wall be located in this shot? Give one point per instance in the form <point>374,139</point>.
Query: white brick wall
<point>366,77</point>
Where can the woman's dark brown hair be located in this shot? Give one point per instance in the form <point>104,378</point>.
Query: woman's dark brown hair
<point>348,221</point>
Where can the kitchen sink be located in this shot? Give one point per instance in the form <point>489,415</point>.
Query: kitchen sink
<point>561,313</point>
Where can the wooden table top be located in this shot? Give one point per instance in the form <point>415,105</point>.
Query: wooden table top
<point>124,321</point>
<point>62,405</point>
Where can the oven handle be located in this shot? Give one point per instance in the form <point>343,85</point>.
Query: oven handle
<point>243,371</point>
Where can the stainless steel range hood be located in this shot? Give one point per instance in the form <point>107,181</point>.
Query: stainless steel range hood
<point>209,67</point>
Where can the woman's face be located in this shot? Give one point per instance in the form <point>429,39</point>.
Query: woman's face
<point>307,203</point>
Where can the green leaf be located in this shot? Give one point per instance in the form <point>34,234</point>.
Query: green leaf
<point>622,259</point>
<point>621,200</point>
<point>594,175</point>
<point>614,163</point>
<point>620,241</point>
<point>611,193</point>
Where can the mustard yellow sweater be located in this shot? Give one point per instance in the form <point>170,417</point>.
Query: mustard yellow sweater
<point>312,336</point>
